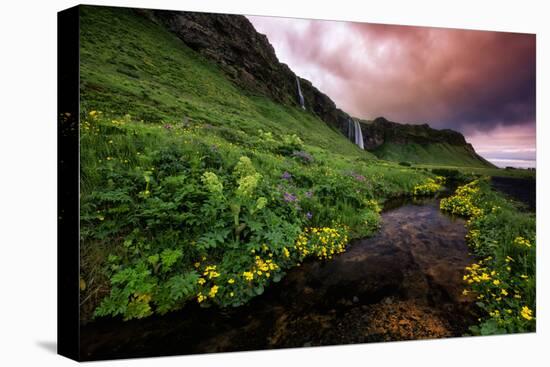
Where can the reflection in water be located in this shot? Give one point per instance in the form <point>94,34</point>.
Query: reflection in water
<point>403,283</point>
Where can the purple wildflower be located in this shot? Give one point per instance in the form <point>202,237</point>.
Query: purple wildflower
<point>286,176</point>
<point>289,198</point>
<point>309,215</point>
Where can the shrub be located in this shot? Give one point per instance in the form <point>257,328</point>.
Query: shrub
<point>430,187</point>
<point>503,239</point>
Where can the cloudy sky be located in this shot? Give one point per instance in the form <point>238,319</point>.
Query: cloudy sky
<point>479,83</point>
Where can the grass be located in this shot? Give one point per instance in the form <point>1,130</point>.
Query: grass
<point>434,154</point>
<point>155,77</point>
<point>482,171</point>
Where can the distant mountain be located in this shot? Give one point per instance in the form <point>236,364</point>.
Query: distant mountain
<point>419,144</point>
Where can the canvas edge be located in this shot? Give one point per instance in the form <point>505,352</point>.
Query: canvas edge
<point>68,168</point>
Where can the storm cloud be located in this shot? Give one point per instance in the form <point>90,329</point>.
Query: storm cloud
<point>480,83</point>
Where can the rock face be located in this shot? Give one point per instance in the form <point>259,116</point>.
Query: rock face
<point>380,130</point>
<point>248,59</point>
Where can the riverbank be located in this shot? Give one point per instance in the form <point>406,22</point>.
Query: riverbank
<point>403,283</point>
<point>502,237</point>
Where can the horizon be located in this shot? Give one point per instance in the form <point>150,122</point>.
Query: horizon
<point>447,78</point>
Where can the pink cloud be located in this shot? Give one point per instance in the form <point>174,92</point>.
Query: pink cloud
<point>404,73</point>
<point>461,79</point>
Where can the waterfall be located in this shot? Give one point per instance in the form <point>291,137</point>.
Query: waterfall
<point>355,134</point>
<point>358,135</point>
<point>300,95</point>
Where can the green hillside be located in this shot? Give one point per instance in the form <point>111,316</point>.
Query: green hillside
<point>131,65</point>
<point>433,153</point>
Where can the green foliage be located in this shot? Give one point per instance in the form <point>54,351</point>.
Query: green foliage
<point>169,203</point>
<point>503,239</point>
<point>430,187</point>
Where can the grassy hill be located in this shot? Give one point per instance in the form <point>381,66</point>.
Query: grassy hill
<point>432,153</point>
<point>419,144</point>
<point>155,77</point>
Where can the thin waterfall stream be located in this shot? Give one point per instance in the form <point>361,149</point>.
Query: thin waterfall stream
<point>355,134</point>
<point>300,95</point>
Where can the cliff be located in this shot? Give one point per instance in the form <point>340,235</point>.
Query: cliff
<point>249,61</point>
<point>247,58</point>
<point>418,143</point>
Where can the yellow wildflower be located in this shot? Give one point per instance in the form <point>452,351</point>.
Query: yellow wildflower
<point>286,252</point>
<point>526,313</point>
<point>200,297</point>
<point>248,275</point>
<point>213,291</point>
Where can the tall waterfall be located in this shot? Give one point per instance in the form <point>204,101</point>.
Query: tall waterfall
<point>300,95</point>
<point>355,134</point>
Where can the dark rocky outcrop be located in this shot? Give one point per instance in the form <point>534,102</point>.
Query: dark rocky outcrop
<point>248,58</point>
<point>380,130</point>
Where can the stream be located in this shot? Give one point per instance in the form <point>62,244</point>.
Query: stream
<point>403,283</point>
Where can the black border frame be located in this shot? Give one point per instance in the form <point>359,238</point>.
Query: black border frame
<point>68,183</point>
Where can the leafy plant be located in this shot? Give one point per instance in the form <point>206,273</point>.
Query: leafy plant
<point>503,238</point>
